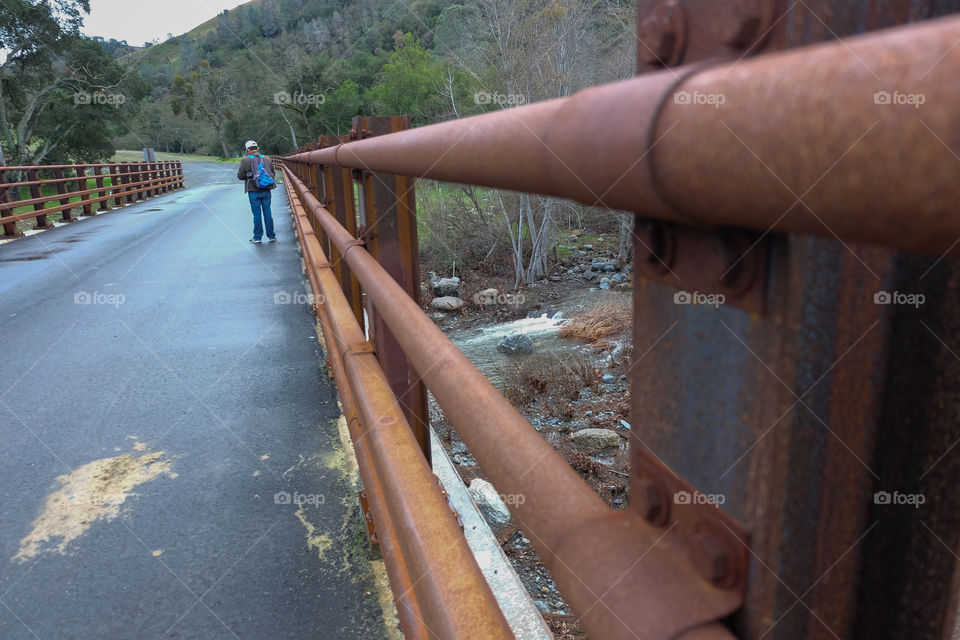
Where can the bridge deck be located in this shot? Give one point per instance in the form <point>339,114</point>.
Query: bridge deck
<point>145,434</point>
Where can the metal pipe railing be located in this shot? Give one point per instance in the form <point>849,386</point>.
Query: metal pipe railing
<point>322,280</point>
<point>559,513</point>
<point>793,138</point>
<point>426,554</point>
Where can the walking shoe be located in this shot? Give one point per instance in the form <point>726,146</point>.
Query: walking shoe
<point>255,240</point>
<point>273,239</point>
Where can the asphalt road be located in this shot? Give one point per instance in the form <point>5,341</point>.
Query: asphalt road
<point>161,387</point>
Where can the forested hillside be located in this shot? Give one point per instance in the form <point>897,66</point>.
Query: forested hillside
<point>287,71</point>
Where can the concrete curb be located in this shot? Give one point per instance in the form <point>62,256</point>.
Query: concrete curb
<point>517,606</point>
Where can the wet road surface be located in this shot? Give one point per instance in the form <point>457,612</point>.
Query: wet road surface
<point>163,410</point>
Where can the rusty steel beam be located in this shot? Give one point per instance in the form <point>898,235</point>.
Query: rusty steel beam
<point>61,186</point>
<point>146,184</point>
<point>127,177</point>
<point>452,595</point>
<point>8,193</point>
<point>37,200</point>
<point>338,194</point>
<point>104,204</point>
<point>638,145</point>
<point>804,480</point>
<point>388,221</point>
<point>660,589</point>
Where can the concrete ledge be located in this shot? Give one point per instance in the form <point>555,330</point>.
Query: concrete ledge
<point>517,606</point>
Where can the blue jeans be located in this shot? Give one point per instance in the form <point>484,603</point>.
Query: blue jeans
<point>261,200</point>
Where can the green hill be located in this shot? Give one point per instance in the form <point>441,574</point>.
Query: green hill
<point>287,71</point>
<point>327,54</point>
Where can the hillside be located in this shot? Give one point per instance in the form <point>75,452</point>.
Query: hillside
<point>234,66</point>
<point>286,71</point>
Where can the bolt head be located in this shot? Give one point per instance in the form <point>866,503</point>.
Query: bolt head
<point>712,558</point>
<point>740,23</point>
<point>654,506</point>
<point>660,34</point>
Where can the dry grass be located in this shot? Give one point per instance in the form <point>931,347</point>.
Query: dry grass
<point>550,375</point>
<point>607,318</point>
<point>584,464</point>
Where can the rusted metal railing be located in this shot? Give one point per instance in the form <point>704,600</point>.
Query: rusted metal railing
<point>128,181</point>
<point>661,568</point>
<point>637,145</point>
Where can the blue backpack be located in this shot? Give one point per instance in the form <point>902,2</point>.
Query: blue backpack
<point>262,178</point>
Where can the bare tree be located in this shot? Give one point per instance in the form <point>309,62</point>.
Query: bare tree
<point>523,51</point>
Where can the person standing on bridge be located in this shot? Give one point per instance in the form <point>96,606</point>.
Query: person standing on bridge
<point>257,172</point>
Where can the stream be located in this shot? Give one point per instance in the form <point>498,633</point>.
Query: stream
<point>479,344</point>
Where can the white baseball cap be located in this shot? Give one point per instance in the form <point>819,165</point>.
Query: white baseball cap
<point>250,144</point>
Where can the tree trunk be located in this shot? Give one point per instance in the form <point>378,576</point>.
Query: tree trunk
<point>627,221</point>
<point>516,243</point>
<point>293,134</point>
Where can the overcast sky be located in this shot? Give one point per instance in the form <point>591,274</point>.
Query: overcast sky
<point>139,22</point>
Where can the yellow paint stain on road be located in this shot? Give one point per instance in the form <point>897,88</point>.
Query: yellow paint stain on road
<point>320,542</point>
<point>303,463</point>
<point>92,492</point>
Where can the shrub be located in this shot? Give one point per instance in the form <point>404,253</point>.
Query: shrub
<point>550,375</point>
<point>601,321</point>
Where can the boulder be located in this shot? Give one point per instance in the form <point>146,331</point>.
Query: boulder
<point>515,343</point>
<point>489,502</point>
<point>604,283</point>
<point>608,378</point>
<point>487,297</point>
<point>443,287</point>
<point>596,438</point>
<point>446,303</point>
